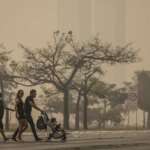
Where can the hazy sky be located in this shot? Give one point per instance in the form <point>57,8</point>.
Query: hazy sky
<point>138,31</point>
<point>32,22</point>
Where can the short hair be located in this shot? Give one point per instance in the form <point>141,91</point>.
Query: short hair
<point>32,91</point>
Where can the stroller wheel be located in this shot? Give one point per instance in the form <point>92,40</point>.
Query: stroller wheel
<point>50,136</point>
<point>64,138</point>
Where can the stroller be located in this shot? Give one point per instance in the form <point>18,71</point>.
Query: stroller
<point>55,130</point>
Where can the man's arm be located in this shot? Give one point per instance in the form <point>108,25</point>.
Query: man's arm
<point>35,106</point>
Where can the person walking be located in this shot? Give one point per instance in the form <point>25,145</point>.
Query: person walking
<point>20,115</point>
<point>2,108</point>
<point>29,104</point>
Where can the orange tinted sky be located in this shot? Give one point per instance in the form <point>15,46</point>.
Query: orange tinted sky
<point>32,21</point>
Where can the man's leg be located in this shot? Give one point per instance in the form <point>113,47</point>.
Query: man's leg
<point>3,134</point>
<point>2,131</point>
<point>30,120</point>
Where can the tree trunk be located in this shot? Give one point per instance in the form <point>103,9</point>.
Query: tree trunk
<point>7,120</point>
<point>136,116</point>
<point>144,118</point>
<point>77,111</point>
<point>66,108</point>
<point>128,115</point>
<point>100,120</point>
<point>105,111</point>
<point>148,120</point>
<point>85,119</point>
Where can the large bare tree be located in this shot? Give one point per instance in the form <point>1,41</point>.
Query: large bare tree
<point>59,62</point>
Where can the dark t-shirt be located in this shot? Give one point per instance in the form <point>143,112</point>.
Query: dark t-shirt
<point>20,109</point>
<point>28,106</point>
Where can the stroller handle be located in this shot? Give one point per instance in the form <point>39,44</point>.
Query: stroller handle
<point>44,114</point>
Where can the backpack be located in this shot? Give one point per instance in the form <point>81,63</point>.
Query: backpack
<point>40,123</point>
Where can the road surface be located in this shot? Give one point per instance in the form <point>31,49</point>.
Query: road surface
<point>90,140</point>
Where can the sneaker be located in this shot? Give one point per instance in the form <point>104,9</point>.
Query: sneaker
<point>14,139</point>
<point>38,139</point>
<point>20,140</point>
<point>6,139</point>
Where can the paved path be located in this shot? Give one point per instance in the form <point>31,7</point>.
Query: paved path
<point>90,140</point>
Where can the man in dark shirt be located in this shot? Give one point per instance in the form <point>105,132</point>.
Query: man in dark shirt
<point>29,103</point>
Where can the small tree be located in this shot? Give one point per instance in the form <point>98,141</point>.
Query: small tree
<point>83,84</point>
